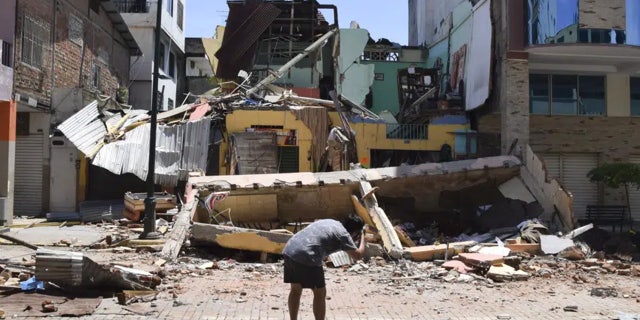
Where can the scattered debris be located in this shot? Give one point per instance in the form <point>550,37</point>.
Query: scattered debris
<point>554,244</point>
<point>604,292</point>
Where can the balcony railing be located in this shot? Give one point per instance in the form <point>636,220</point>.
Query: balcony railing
<point>556,22</point>
<point>407,131</point>
<point>132,6</point>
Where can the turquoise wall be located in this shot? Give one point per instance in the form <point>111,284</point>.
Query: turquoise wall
<point>385,92</point>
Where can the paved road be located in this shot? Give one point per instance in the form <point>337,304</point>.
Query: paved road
<point>250,291</point>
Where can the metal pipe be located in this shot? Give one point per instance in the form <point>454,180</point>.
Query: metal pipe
<point>272,77</point>
<point>150,201</point>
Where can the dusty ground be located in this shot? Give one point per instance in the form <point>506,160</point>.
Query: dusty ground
<point>228,289</point>
<point>255,291</point>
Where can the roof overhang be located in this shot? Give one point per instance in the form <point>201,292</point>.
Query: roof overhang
<point>121,26</point>
<point>607,58</point>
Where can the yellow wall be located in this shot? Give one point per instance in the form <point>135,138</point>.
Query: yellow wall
<point>374,136</point>
<point>368,135</point>
<point>239,120</point>
<point>211,46</point>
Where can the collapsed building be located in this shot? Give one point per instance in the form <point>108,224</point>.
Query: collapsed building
<point>287,138</point>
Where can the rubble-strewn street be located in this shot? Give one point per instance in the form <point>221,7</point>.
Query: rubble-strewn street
<point>438,159</point>
<point>210,283</point>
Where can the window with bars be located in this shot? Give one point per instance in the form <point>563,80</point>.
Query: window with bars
<point>180,15</point>
<point>35,42</point>
<point>76,30</point>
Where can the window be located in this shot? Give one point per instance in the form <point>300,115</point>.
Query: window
<point>591,95</point>
<point>22,124</point>
<point>95,76</point>
<point>5,53</point>
<point>160,101</point>
<point>76,30</point>
<point>170,7</point>
<point>172,65</point>
<point>162,53</point>
<point>169,104</point>
<point>539,93</point>
<point>180,15</point>
<point>635,96</point>
<point>35,42</point>
<point>567,94</point>
<point>564,94</point>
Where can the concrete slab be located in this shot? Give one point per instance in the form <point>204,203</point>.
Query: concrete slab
<point>83,235</point>
<point>481,260</point>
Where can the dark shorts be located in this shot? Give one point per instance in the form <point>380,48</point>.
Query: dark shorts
<point>308,276</point>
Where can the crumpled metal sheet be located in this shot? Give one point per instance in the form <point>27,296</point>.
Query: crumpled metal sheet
<point>84,129</point>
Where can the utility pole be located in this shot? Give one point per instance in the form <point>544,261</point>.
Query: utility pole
<point>150,201</point>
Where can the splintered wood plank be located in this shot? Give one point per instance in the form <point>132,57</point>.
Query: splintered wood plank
<point>178,234</point>
<point>361,211</point>
<point>436,251</point>
<point>380,220</point>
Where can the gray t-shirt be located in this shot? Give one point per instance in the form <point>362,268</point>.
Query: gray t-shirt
<point>318,240</point>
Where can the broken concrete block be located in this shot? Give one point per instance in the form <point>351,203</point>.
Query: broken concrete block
<point>553,244</point>
<point>572,253</point>
<point>496,250</point>
<point>506,273</point>
<point>481,260</point>
<point>457,266</point>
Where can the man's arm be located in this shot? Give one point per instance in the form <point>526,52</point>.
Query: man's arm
<point>359,253</point>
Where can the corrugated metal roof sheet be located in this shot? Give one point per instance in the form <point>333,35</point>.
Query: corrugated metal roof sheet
<point>84,129</point>
<point>196,145</point>
<point>179,148</point>
<point>340,258</point>
<point>245,24</point>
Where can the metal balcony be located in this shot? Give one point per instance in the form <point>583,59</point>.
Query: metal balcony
<point>407,131</point>
<point>132,6</point>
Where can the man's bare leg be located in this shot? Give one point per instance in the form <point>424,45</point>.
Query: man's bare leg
<point>319,303</point>
<point>294,300</point>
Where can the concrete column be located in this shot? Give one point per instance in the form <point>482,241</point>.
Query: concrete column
<point>7,160</point>
<point>514,104</point>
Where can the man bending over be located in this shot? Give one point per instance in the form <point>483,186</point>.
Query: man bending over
<point>305,252</point>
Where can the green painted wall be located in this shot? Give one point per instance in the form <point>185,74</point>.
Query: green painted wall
<point>385,92</point>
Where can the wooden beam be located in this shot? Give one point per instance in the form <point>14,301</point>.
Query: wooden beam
<point>362,211</point>
<point>431,252</point>
<point>178,234</point>
<point>18,241</point>
<point>239,238</point>
<point>390,239</point>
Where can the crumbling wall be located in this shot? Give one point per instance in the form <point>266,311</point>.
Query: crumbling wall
<point>555,201</point>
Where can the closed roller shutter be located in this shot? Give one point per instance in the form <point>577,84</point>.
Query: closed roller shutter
<point>552,163</point>
<point>28,175</point>
<point>634,194</point>
<point>574,177</point>
<point>571,171</point>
